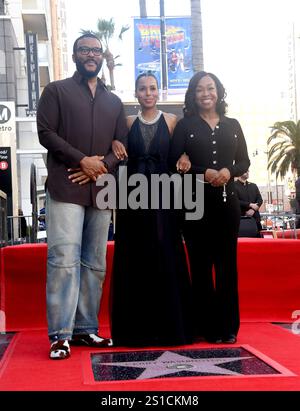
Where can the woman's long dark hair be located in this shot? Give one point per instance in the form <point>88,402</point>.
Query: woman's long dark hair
<point>190,106</point>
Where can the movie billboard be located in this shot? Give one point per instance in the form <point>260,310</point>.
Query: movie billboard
<point>178,49</point>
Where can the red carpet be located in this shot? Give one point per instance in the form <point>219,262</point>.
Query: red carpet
<point>269,279</point>
<point>27,367</point>
<point>269,284</point>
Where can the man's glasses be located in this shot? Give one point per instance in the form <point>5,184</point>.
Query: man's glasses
<point>86,50</point>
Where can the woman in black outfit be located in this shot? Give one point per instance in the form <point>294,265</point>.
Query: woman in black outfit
<point>217,150</point>
<point>150,290</point>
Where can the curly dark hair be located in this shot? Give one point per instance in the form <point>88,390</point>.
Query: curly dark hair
<point>190,106</point>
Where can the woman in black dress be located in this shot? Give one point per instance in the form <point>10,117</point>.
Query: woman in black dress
<point>217,150</point>
<point>150,289</point>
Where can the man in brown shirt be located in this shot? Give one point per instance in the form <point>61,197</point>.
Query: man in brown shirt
<point>77,120</point>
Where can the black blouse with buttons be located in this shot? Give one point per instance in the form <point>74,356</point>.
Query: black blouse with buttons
<point>225,146</point>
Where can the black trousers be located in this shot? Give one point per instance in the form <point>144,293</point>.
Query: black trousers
<point>212,249</point>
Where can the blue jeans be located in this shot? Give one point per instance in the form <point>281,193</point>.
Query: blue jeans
<point>76,266</point>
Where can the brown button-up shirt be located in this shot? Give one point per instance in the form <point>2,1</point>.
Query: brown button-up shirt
<point>73,124</point>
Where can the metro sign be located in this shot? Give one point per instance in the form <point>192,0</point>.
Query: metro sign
<point>7,117</point>
<point>5,114</point>
<point>3,165</point>
<point>8,158</point>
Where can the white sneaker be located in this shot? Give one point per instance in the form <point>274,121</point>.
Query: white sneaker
<point>60,350</point>
<point>91,340</point>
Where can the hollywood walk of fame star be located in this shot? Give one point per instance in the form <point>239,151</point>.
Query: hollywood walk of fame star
<point>172,363</point>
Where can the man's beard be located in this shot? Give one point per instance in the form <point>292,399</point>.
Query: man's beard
<point>86,73</point>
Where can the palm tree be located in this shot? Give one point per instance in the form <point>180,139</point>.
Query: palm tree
<point>196,36</point>
<point>284,151</point>
<point>105,32</point>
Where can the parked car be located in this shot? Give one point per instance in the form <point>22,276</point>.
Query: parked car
<point>274,222</point>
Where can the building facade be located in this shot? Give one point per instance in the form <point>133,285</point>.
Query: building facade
<point>33,52</point>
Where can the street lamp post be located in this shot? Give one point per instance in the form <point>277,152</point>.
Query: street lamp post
<point>277,199</point>
<point>270,199</point>
<point>163,46</point>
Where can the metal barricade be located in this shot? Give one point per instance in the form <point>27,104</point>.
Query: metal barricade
<point>21,229</point>
<point>284,224</point>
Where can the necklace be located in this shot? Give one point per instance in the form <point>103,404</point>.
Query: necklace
<point>153,121</point>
